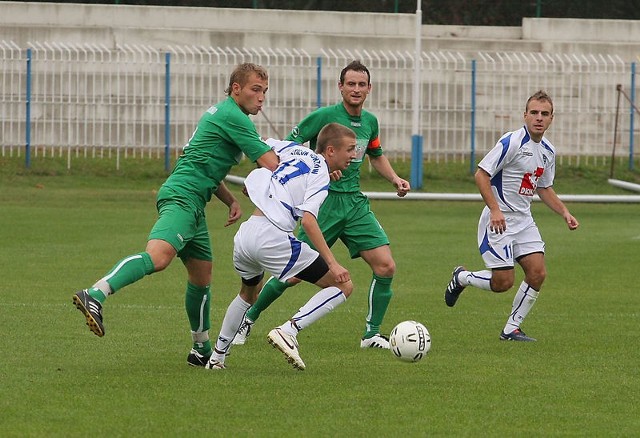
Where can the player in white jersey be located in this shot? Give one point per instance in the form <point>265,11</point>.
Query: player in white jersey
<point>265,242</point>
<point>521,164</point>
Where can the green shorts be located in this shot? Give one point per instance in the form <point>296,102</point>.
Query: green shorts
<point>348,217</point>
<point>185,228</point>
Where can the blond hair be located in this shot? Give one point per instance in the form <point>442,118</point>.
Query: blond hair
<point>240,75</point>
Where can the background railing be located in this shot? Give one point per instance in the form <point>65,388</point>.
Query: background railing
<point>92,100</point>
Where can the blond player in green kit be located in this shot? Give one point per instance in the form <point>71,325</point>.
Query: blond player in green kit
<point>346,214</point>
<point>223,134</point>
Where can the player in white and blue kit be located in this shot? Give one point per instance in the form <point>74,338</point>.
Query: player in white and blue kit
<point>265,242</point>
<point>521,164</point>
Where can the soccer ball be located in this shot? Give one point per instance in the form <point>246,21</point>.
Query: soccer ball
<point>410,341</point>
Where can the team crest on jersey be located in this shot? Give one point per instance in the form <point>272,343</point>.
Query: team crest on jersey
<point>361,148</point>
<point>530,182</point>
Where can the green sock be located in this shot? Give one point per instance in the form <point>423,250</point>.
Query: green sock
<point>270,292</point>
<point>379,296</point>
<point>127,271</point>
<point>197,302</point>
<point>97,294</point>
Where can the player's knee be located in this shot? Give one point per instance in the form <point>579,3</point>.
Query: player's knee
<point>501,285</point>
<point>161,262</point>
<point>346,288</point>
<point>536,278</point>
<point>386,268</point>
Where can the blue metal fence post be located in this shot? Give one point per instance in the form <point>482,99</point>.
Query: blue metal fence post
<point>632,113</point>
<point>416,161</point>
<point>416,138</point>
<point>473,117</point>
<point>319,82</point>
<point>27,121</point>
<point>167,111</point>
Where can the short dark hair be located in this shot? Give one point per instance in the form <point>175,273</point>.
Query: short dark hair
<point>539,95</point>
<point>355,66</point>
<point>241,74</point>
<point>331,134</point>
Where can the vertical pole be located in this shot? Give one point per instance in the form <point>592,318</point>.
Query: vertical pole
<point>319,82</point>
<point>416,138</point>
<point>472,165</point>
<point>615,131</point>
<point>538,8</point>
<point>167,111</point>
<point>27,121</point>
<point>631,113</point>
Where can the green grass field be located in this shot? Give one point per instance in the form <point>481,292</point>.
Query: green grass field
<point>63,230</point>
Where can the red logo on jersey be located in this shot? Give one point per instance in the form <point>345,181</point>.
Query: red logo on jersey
<point>530,182</point>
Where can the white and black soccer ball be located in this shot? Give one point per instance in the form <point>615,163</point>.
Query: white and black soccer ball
<point>410,341</point>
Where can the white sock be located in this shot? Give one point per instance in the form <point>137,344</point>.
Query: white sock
<point>319,305</point>
<point>522,303</point>
<point>479,279</point>
<point>230,325</point>
<point>103,287</point>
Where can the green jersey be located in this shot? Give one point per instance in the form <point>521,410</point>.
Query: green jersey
<point>366,128</point>
<point>223,134</point>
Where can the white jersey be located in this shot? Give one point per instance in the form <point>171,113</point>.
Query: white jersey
<point>518,166</point>
<point>299,184</point>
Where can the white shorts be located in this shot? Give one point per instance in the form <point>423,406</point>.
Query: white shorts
<point>519,239</point>
<point>260,246</point>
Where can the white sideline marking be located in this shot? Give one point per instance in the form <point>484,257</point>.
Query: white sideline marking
<point>476,196</point>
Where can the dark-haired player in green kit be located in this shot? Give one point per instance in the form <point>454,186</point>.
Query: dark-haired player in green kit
<point>223,134</point>
<point>346,214</point>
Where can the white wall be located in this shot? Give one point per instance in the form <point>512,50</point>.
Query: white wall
<point>108,25</point>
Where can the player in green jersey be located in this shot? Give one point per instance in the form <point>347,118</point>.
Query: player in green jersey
<point>222,135</point>
<point>346,214</point>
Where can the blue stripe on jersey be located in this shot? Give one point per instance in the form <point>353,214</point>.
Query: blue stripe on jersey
<point>485,247</point>
<point>323,189</point>
<point>287,146</point>
<point>547,147</point>
<point>505,147</point>
<point>291,210</point>
<point>496,181</point>
<point>296,249</point>
<point>526,137</point>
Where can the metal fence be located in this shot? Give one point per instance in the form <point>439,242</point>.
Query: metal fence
<point>90,100</point>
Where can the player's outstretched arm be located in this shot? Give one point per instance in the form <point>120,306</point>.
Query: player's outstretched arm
<point>551,200</point>
<point>225,195</point>
<point>312,229</point>
<point>269,160</point>
<point>498,223</point>
<point>384,168</point>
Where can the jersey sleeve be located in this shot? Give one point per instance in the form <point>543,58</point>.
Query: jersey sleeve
<point>546,180</point>
<point>307,129</point>
<point>242,132</point>
<point>496,158</point>
<point>316,193</point>
<point>374,147</point>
